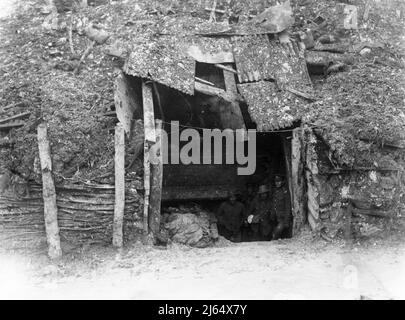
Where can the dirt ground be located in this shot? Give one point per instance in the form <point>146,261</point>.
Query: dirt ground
<point>302,268</point>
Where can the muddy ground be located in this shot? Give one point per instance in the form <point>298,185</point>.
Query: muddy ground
<point>302,268</point>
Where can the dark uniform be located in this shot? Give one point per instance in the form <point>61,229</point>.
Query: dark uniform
<point>261,224</point>
<point>230,216</point>
<point>281,210</point>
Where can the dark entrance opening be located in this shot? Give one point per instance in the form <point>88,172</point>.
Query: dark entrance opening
<point>209,185</point>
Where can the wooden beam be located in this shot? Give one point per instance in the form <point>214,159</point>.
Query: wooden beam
<point>49,194</point>
<point>146,187</point>
<point>207,89</point>
<point>156,183</point>
<point>297,180</point>
<point>204,81</point>
<point>127,100</point>
<point>119,168</point>
<point>312,181</point>
<point>221,66</point>
<point>148,112</point>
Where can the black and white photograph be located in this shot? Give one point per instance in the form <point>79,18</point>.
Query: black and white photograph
<point>202,154</point>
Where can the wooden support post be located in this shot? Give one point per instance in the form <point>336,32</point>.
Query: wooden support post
<point>298,180</point>
<point>49,194</point>
<point>119,168</point>
<point>150,137</point>
<point>312,181</point>
<point>156,183</point>
<point>348,226</point>
<point>146,186</point>
<point>127,101</point>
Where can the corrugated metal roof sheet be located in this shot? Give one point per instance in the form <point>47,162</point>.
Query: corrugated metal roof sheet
<point>253,58</point>
<point>269,107</point>
<point>290,68</point>
<point>258,58</point>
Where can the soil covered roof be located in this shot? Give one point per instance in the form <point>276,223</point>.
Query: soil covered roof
<point>356,111</point>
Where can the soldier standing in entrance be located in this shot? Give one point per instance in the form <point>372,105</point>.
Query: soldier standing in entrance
<point>259,215</point>
<point>230,216</point>
<point>281,208</point>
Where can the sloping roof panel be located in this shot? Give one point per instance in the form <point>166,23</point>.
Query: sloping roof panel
<point>290,68</point>
<point>253,58</point>
<point>163,60</point>
<point>269,107</point>
<point>258,58</point>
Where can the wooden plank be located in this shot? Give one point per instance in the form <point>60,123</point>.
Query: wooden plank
<point>146,186</point>
<point>156,183</point>
<point>312,182</point>
<point>126,100</point>
<point>207,89</point>
<point>49,194</point>
<point>119,168</point>
<point>148,113</point>
<point>297,180</point>
<point>227,68</point>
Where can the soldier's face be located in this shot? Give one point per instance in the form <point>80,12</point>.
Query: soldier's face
<point>279,183</point>
<point>263,196</point>
<point>232,199</point>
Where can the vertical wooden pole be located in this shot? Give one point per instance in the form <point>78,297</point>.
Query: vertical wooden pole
<point>146,187</point>
<point>119,168</point>
<point>348,226</point>
<point>297,177</point>
<point>150,137</point>
<point>49,194</point>
<point>156,184</point>
<point>312,181</point>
